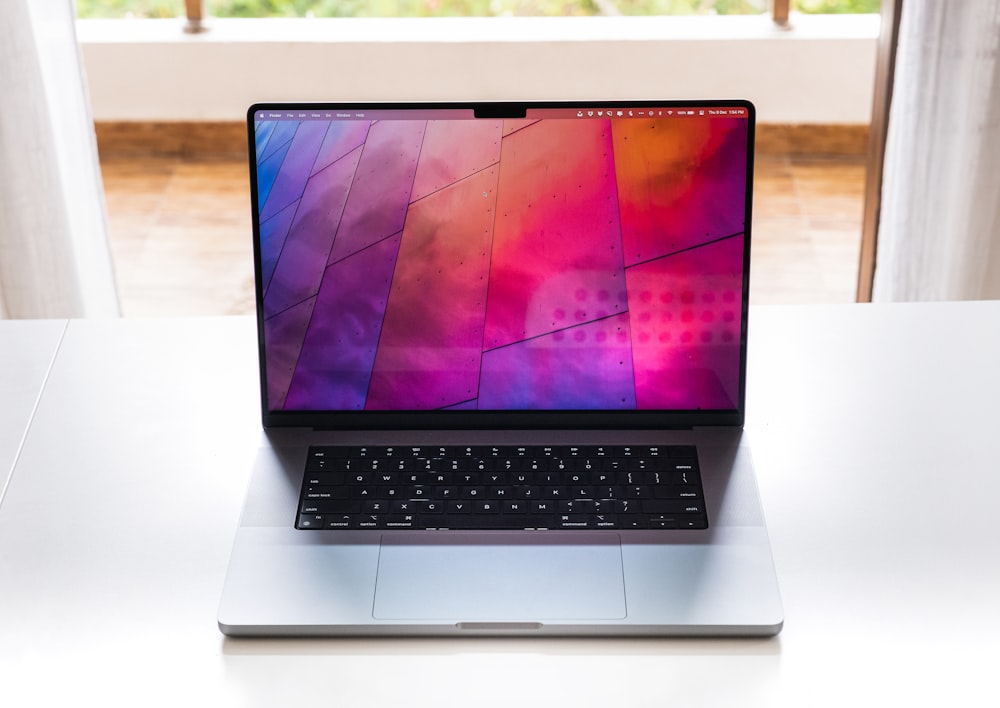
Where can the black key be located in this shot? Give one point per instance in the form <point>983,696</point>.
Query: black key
<point>500,492</point>
<point>638,464</point>
<point>685,474</point>
<point>404,506</point>
<point>626,506</point>
<point>610,492</point>
<point>605,521</point>
<point>682,451</point>
<point>575,506</point>
<point>634,521</point>
<point>573,521</point>
<point>446,493</point>
<point>366,477</point>
<point>602,478</point>
<point>676,491</point>
<point>324,479</point>
<point>320,462</point>
<point>604,506</point>
<point>490,522</point>
<point>433,506</point>
<point>671,506</point>
<point>419,491</point>
<point>310,521</point>
<point>662,522</point>
<point>319,492</point>
<point>331,507</point>
<point>527,492</point>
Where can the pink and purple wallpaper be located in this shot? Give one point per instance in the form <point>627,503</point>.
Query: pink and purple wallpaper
<point>550,264</point>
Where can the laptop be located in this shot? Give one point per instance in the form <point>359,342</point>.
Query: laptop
<point>503,371</point>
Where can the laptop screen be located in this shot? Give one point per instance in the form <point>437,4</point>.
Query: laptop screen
<point>540,258</point>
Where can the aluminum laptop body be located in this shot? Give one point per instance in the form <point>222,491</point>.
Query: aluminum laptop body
<point>458,276</point>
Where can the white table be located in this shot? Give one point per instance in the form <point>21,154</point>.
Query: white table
<point>874,431</point>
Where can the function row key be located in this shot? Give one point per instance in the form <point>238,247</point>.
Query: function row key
<point>359,451</point>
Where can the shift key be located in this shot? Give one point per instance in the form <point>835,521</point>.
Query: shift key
<point>330,507</point>
<point>672,506</point>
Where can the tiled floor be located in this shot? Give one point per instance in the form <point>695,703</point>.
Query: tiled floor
<point>807,230</point>
<point>180,232</point>
<point>180,236</point>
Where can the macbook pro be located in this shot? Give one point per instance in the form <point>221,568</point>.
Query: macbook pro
<point>502,373</point>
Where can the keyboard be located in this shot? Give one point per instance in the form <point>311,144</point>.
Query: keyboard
<point>502,488</point>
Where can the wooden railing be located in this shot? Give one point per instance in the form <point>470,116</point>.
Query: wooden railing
<point>195,12</point>
<point>780,10</point>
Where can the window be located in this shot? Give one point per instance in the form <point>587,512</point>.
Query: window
<point>460,8</point>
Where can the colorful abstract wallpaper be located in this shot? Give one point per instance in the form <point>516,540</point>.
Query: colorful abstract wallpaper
<point>537,264</point>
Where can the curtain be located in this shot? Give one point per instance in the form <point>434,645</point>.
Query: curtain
<point>55,258</point>
<point>939,226</point>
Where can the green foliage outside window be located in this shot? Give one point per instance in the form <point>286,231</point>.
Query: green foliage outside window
<point>456,8</point>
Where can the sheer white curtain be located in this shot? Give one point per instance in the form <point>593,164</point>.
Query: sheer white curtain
<point>939,230</point>
<point>54,254</point>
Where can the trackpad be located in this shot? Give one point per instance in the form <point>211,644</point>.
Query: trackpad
<point>467,577</point>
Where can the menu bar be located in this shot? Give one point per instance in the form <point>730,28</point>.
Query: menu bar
<point>622,112</point>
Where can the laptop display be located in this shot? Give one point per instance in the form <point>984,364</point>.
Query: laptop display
<point>574,259</point>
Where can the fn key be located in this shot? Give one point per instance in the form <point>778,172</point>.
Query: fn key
<point>310,521</point>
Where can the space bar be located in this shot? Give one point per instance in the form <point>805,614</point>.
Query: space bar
<point>484,522</point>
